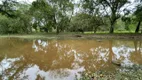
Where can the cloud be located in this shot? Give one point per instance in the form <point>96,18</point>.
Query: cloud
<point>27,1</point>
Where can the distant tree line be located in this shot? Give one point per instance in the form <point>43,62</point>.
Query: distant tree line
<point>68,16</point>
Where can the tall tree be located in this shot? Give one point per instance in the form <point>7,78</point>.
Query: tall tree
<point>52,13</point>
<point>114,7</point>
<point>111,8</point>
<point>127,21</point>
<point>85,22</point>
<point>43,15</point>
<point>138,14</point>
<point>7,7</point>
<point>91,7</point>
<point>63,10</point>
<point>16,21</point>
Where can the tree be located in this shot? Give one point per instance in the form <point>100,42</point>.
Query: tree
<point>110,8</point>
<point>7,7</point>
<point>4,21</point>
<point>114,8</point>
<point>138,14</point>
<point>92,8</point>
<point>63,11</point>
<point>80,22</point>
<point>85,22</point>
<point>43,15</point>
<point>127,20</point>
<point>20,22</point>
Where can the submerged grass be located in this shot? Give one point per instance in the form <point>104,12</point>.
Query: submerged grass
<point>123,73</point>
<point>115,75</point>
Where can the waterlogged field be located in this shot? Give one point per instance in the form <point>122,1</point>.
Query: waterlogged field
<point>65,59</point>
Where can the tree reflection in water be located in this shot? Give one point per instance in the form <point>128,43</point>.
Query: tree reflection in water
<point>63,59</point>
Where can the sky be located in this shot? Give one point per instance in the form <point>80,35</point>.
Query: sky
<point>131,6</point>
<point>28,1</point>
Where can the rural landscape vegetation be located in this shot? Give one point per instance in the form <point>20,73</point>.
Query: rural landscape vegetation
<point>70,40</point>
<point>58,16</point>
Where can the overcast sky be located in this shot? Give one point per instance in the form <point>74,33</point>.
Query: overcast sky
<point>130,6</point>
<point>28,1</point>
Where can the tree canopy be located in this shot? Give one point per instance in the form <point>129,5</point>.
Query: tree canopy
<point>70,16</point>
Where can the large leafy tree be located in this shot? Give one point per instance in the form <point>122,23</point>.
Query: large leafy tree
<point>52,14</point>
<point>114,8</point>
<point>43,15</point>
<point>96,18</point>
<point>85,22</point>
<point>63,11</point>
<point>7,7</point>
<point>80,22</point>
<point>110,8</point>
<point>127,20</point>
<point>15,19</point>
<point>138,14</point>
<point>24,18</point>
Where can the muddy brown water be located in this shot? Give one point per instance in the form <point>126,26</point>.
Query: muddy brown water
<point>53,59</point>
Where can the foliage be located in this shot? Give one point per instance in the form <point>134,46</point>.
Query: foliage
<point>3,24</point>
<point>86,22</point>
<point>67,15</point>
<point>7,7</point>
<point>43,14</point>
<point>62,16</point>
<point>138,14</point>
<point>18,24</point>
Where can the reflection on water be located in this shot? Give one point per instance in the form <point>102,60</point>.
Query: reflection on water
<point>63,59</point>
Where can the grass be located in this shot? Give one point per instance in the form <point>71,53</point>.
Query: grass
<point>88,35</point>
<point>106,32</point>
<point>125,73</point>
<point>117,75</point>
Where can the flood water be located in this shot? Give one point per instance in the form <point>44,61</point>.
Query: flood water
<point>53,59</point>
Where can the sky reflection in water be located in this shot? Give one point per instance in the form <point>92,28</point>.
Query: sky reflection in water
<point>63,59</point>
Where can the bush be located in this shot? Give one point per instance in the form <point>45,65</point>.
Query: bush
<point>14,25</point>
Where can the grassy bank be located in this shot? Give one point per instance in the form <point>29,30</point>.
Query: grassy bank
<point>76,35</point>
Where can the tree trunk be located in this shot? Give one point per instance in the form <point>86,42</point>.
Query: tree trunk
<point>95,29</point>
<point>138,27</point>
<point>56,26</point>
<point>57,30</point>
<point>111,28</point>
<point>113,20</point>
<point>127,26</point>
